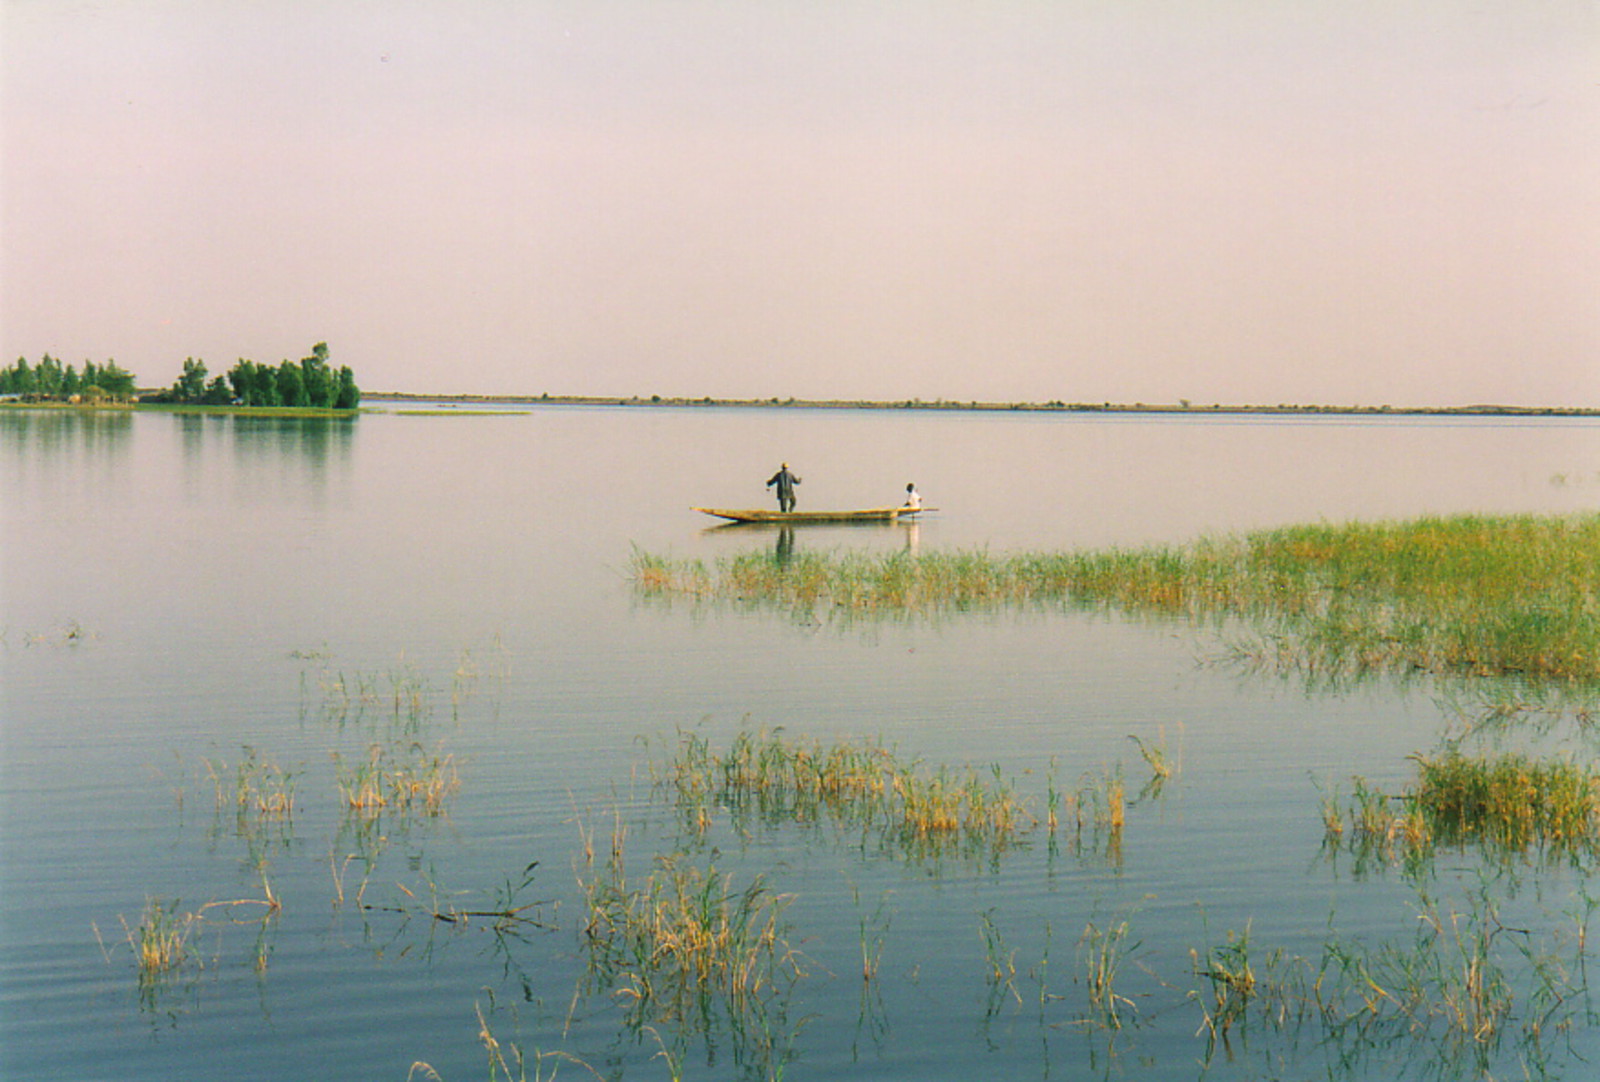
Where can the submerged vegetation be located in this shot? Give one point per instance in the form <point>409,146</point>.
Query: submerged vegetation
<point>1469,595</point>
<point>686,942</point>
<point>387,779</point>
<point>883,803</point>
<point>690,954</point>
<point>1461,991</point>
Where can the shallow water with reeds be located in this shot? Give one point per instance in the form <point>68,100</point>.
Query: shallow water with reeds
<point>358,749</point>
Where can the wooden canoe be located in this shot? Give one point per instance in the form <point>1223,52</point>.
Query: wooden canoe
<point>873,514</point>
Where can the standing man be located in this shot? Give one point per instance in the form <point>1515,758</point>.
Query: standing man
<point>785,482</point>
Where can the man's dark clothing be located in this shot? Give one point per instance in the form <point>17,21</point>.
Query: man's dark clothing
<point>785,482</point>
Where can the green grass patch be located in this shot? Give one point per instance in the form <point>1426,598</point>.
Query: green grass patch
<point>245,411</point>
<point>1466,594</point>
<point>912,808</point>
<point>107,406</point>
<point>1508,804</point>
<point>1510,800</point>
<point>456,413</point>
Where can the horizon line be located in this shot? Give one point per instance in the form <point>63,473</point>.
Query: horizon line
<point>1053,406</point>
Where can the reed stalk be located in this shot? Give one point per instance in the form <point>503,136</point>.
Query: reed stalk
<point>1102,954</point>
<point>1002,962</point>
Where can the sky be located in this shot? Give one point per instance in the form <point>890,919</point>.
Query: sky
<point>1337,202</point>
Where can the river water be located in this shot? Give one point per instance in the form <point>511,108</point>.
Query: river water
<point>181,595</point>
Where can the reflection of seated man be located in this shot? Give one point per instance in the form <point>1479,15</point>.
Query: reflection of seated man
<point>913,497</point>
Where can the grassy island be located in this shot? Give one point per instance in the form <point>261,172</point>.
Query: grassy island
<point>1511,595</point>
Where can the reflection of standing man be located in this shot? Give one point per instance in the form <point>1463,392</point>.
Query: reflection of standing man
<point>785,482</point>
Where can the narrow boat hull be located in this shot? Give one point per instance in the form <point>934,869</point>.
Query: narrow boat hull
<point>874,514</point>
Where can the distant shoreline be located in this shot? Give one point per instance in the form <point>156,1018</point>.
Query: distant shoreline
<point>371,398</point>
<point>1481,410</point>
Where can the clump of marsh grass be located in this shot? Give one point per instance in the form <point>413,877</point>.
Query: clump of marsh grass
<point>361,786</point>
<point>404,780</point>
<point>1376,828</point>
<point>1455,992</point>
<point>254,787</point>
<point>1243,981</point>
<point>71,634</point>
<point>1476,595</point>
<point>1156,756</point>
<point>160,940</point>
<point>425,781</point>
<point>471,672</point>
<point>1510,801</point>
<point>397,703</point>
<point>914,809</point>
<point>1100,802</point>
<point>1094,813</point>
<point>683,934</point>
<point>1103,952</point>
<point>1508,804</point>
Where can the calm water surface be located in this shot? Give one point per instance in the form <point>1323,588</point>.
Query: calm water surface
<point>177,589</point>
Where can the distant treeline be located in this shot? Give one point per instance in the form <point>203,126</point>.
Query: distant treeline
<point>51,380</point>
<point>311,381</point>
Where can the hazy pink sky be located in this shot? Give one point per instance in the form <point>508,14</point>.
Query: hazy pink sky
<point>1330,201</point>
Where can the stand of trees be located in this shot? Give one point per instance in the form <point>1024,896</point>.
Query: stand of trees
<point>310,382</point>
<point>51,380</point>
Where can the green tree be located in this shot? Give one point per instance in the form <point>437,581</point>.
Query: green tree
<point>116,382</point>
<point>22,381</point>
<point>348,396</point>
<point>291,388</point>
<point>317,377</point>
<point>71,382</point>
<point>266,387</point>
<point>242,378</point>
<point>218,393</point>
<point>191,386</point>
<point>47,377</point>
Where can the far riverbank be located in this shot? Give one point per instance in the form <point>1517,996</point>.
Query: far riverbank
<point>1478,410</point>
